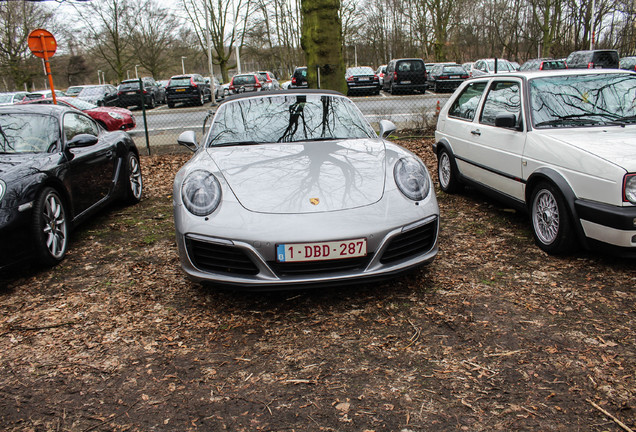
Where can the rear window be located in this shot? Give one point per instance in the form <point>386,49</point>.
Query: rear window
<point>553,64</point>
<point>362,70</point>
<point>410,66</point>
<point>179,81</point>
<point>132,85</point>
<point>606,59</point>
<point>244,79</point>
<point>455,70</point>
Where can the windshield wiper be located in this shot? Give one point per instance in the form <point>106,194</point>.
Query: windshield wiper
<point>234,143</point>
<point>625,119</point>
<point>572,120</point>
<point>319,139</point>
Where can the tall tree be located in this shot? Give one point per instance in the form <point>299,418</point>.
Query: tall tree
<point>108,24</point>
<point>322,43</point>
<point>17,19</point>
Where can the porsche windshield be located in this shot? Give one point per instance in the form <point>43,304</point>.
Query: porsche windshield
<point>287,118</point>
<point>583,100</point>
<point>28,133</point>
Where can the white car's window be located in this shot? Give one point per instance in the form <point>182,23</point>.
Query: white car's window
<point>583,100</point>
<point>465,105</point>
<point>283,118</point>
<point>504,97</point>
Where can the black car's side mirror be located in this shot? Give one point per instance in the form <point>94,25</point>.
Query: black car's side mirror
<point>82,140</point>
<point>508,121</point>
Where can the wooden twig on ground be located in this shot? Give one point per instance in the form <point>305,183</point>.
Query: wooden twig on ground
<point>617,421</point>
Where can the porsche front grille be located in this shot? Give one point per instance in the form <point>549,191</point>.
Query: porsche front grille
<point>217,258</point>
<point>411,243</point>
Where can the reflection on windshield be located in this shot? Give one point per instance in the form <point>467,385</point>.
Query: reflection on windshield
<point>28,133</point>
<point>583,100</point>
<point>282,118</point>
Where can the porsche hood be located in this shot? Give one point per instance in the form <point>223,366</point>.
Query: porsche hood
<point>304,177</point>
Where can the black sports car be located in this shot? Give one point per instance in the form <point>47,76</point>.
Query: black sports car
<point>57,167</point>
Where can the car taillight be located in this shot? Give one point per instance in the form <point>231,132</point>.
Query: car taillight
<point>192,83</point>
<point>464,76</point>
<point>350,79</point>
<point>541,66</point>
<point>375,78</point>
<point>395,75</point>
<point>442,77</point>
<point>294,80</point>
<point>145,91</point>
<point>257,84</point>
<point>590,65</point>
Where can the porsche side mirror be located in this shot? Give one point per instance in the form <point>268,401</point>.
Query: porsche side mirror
<point>188,139</point>
<point>82,140</point>
<point>386,128</point>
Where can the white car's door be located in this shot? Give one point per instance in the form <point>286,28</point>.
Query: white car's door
<point>494,156</point>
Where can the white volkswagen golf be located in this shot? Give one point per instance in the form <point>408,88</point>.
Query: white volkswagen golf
<point>559,144</point>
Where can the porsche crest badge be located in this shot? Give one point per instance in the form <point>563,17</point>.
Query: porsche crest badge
<point>314,201</point>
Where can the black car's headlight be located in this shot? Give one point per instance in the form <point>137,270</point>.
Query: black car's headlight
<point>411,178</point>
<point>3,187</point>
<point>629,188</point>
<point>201,193</point>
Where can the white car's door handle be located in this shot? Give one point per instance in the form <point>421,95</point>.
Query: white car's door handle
<point>476,132</point>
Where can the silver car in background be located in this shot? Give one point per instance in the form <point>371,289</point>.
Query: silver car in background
<point>295,188</point>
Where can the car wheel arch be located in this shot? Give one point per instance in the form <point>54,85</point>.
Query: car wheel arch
<point>563,186</point>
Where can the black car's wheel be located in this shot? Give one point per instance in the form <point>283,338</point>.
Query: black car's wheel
<point>447,172</point>
<point>134,182</point>
<point>153,102</point>
<point>201,99</point>
<point>170,104</point>
<point>50,227</point>
<point>550,219</point>
<point>435,89</point>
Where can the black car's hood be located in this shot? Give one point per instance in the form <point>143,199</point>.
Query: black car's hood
<point>16,166</point>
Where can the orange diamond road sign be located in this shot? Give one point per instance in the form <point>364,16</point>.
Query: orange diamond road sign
<point>42,43</point>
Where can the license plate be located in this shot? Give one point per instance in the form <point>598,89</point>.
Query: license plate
<point>363,79</point>
<point>296,252</point>
<point>454,77</point>
<point>406,82</point>
<point>129,93</point>
<point>180,90</point>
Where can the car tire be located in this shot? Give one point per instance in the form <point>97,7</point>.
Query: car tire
<point>153,103</point>
<point>551,225</point>
<point>50,227</point>
<point>435,89</point>
<point>447,172</point>
<point>170,104</point>
<point>133,179</point>
<point>201,99</point>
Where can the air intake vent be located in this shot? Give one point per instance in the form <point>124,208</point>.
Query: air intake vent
<point>219,258</point>
<point>411,243</point>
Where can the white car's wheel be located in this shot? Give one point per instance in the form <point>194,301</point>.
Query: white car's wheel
<point>550,220</point>
<point>447,172</point>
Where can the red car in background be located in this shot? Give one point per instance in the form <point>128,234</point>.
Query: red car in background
<point>111,118</point>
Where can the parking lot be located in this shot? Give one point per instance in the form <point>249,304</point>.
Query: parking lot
<point>493,335</point>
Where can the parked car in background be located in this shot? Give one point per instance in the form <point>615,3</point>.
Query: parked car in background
<point>188,89</point>
<point>129,93</point>
<point>289,160</point>
<point>299,78</point>
<point>110,118</point>
<point>543,64</point>
<point>248,82</point>
<point>628,63</point>
<point>100,95</point>
<point>446,77</point>
<point>405,75</point>
<point>11,98</point>
<point>58,168</point>
<point>362,79</point>
<point>593,59</point>
<point>558,144</point>
<point>268,80</point>
<point>380,73</point>
<point>218,89</point>
<point>516,66</point>
<point>41,94</point>
<point>73,91</point>
<point>468,66</point>
<point>488,66</point>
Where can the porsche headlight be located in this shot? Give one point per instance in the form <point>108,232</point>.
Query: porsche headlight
<point>3,188</point>
<point>412,178</point>
<point>629,188</point>
<point>200,193</point>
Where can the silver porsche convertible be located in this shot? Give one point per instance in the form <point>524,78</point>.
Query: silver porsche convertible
<point>296,188</point>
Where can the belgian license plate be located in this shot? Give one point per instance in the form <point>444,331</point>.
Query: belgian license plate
<point>406,82</point>
<point>180,90</point>
<point>319,251</point>
<point>454,76</point>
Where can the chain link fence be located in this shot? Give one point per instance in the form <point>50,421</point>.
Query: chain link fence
<point>413,114</point>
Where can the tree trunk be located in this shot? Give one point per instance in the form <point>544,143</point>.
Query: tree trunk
<point>322,43</point>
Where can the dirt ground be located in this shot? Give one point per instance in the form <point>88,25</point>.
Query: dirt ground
<point>493,335</point>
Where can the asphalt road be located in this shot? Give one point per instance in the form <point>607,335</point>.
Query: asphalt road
<point>403,110</point>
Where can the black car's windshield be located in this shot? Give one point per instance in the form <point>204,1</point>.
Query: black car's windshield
<point>583,100</point>
<point>28,133</point>
<point>287,118</point>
